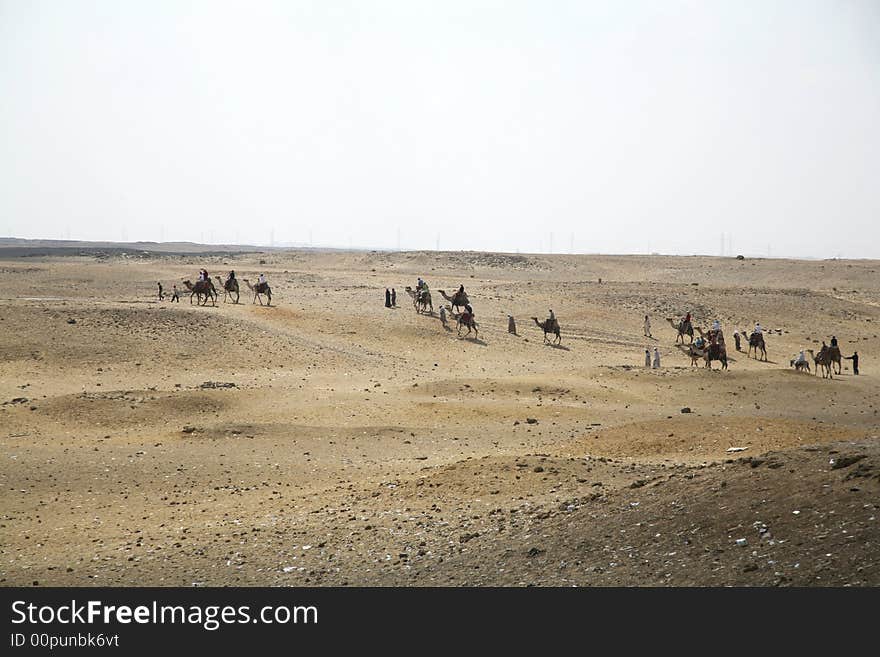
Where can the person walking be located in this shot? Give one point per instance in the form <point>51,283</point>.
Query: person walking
<point>393,298</point>
<point>174,296</point>
<point>736,339</point>
<point>855,359</point>
<point>443,315</point>
<point>656,358</point>
<point>387,298</point>
<point>161,294</point>
<point>647,357</point>
<point>648,327</point>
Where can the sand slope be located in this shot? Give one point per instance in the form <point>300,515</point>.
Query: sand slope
<point>329,440</point>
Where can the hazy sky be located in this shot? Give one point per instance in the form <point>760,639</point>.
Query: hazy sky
<point>625,126</point>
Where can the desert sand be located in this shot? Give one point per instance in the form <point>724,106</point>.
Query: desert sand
<point>328,440</point>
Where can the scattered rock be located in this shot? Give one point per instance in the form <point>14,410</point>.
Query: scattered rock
<point>686,409</point>
<point>846,461</point>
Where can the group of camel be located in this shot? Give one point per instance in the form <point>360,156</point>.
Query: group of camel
<point>827,356</point>
<point>824,359</point>
<point>422,303</point>
<point>717,351</point>
<point>207,290</point>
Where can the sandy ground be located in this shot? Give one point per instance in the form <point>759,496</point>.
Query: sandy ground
<point>328,440</point>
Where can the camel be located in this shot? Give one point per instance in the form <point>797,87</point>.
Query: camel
<point>458,300</point>
<point>823,360</point>
<point>716,352</point>
<point>412,294</point>
<point>229,288</point>
<point>467,319</point>
<point>421,300</point>
<point>549,327</point>
<point>260,289</point>
<point>683,330</point>
<point>708,354</point>
<point>201,288</point>
<point>834,355</point>
<point>756,341</point>
<point>799,365</point>
<point>696,354</point>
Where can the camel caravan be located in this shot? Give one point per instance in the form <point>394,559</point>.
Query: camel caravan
<point>421,298</point>
<point>203,289</point>
<point>459,307</point>
<point>709,345</point>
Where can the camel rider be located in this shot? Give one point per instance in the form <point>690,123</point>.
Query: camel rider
<point>833,341</point>
<point>698,343</point>
<point>716,337</point>
<point>419,284</point>
<point>460,294</point>
<point>551,320</point>
<point>261,282</point>
<point>231,276</point>
<point>802,357</point>
<point>469,311</point>
<point>203,275</point>
<point>758,329</point>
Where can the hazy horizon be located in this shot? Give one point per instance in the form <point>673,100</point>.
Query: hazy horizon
<point>587,127</point>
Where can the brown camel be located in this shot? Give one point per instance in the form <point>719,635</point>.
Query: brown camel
<point>834,355</point>
<point>467,319</point>
<point>201,288</point>
<point>756,341</point>
<point>716,352</point>
<point>421,301</point>
<point>458,300</point>
<point>683,329</point>
<point>708,354</point>
<point>549,326</point>
<point>823,360</point>
<point>259,290</point>
<point>229,288</point>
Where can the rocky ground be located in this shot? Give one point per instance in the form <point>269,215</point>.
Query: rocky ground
<point>328,440</point>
